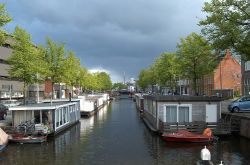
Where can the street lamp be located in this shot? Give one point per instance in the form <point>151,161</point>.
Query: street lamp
<point>221,85</point>
<point>37,88</point>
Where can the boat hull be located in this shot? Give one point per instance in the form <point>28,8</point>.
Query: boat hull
<point>27,139</point>
<point>185,136</point>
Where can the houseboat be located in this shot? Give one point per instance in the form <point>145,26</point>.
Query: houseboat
<point>54,116</point>
<point>166,114</point>
<point>138,97</point>
<point>90,104</point>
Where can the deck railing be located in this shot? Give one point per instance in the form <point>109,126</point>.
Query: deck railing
<point>197,127</point>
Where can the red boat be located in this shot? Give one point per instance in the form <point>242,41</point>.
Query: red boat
<point>186,136</point>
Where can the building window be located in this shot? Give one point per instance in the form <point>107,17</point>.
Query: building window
<point>7,87</point>
<point>247,65</point>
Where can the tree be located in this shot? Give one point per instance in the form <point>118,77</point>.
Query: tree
<point>80,79</point>
<point>196,59</point>
<point>4,19</point>
<point>147,77</point>
<point>227,25</point>
<point>72,69</point>
<point>119,86</point>
<point>91,82</point>
<point>55,60</point>
<point>26,60</point>
<point>104,80</point>
<point>167,70</point>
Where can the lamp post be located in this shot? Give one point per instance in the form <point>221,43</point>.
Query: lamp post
<point>10,90</point>
<point>37,88</point>
<point>220,80</point>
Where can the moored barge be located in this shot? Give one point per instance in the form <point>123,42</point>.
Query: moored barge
<point>54,116</point>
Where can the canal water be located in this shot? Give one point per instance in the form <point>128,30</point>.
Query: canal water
<point>117,136</point>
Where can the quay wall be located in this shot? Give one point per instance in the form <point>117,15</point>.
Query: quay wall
<point>245,128</point>
<point>240,123</point>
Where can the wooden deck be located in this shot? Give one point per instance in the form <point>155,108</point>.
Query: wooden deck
<point>220,128</point>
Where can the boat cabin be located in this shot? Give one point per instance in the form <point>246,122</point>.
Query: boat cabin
<point>173,112</point>
<point>56,116</point>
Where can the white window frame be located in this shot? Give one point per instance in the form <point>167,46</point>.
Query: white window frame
<point>179,105</point>
<point>247,65</point>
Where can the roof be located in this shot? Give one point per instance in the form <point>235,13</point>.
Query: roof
<point>178,98</point>
<point>41,106</point>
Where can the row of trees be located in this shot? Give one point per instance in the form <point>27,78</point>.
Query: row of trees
<point>192,60</point>
<point>32,64</point>
<point>226,26</point>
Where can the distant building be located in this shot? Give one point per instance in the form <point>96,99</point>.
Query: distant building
<point>9,87</point>
<point>131,85</point>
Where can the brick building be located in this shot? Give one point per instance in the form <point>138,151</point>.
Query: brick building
<point>225,78</point>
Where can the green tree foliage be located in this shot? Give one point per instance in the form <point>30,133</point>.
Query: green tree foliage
<point>72,69</point>
<point>196,59</point>
<point>25,61</point>
<point>119,86</point>
<point>4,19</point>
<point>81,76</point>
<point>104,81</point>
<point>90,81</point>
<point>55,60</point>
<point>167,70</point>
<point>227,25</point>
<point>147,77</point>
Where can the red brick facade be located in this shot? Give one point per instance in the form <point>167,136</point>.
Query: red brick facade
<point>48,88</point>
<point>227,75</point>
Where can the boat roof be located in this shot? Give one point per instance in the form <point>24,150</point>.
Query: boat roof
<point>41,106</point>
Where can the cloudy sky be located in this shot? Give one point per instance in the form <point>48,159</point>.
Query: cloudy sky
<point>118,36</point>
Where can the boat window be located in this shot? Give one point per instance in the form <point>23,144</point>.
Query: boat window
<point>61,116</point>
<point>45,117</point>
<point>183,114</point>
<point>37,117</point>
<point>178,113</point>
<point>57,118</point>
<point>171,113</point>
<point>64,115</point>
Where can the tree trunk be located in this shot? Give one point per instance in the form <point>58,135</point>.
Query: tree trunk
<point>52,92</point>
<point>24,93</point>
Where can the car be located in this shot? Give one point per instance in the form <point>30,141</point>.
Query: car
<point>3,111</point>
<point>241,104</point>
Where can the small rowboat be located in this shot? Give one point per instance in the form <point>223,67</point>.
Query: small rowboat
<point>21,138</point>
<point>186,136</point>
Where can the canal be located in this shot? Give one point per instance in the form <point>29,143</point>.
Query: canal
<point>117,136</point>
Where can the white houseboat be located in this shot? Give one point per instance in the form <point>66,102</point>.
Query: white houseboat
<point>56,116</point>
<point>90,104</point>
<point>194,113</point>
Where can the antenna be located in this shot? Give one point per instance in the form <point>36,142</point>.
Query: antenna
<point>124,78</point>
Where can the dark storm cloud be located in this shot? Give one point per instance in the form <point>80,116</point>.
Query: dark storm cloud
<point>117,35</point>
